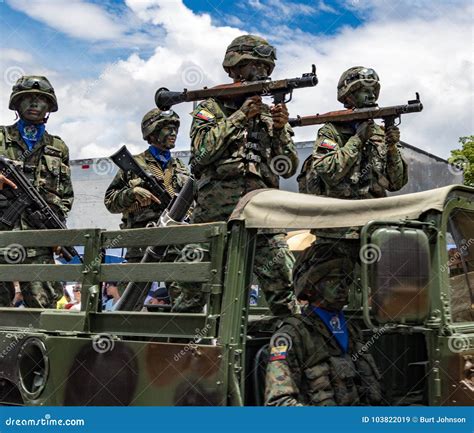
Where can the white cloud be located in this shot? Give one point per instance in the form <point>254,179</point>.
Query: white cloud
<point>427,54</point>
<point>76,18</point>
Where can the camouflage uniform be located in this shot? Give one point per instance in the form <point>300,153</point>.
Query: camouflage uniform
<point>308,364</point>
<point>47,168</point>
<point>228,165</point>
<point>316,372</point>
<point>119,198</point>
<point>232,156</point>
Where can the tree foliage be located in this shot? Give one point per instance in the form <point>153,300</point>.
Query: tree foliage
<point>463,159</point>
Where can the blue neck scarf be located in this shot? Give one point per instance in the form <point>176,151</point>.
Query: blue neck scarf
<point>336,323</point>
<point>31,133</point>
<point>162,156</point>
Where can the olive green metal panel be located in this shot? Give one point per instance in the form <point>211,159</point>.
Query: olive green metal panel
<point>62,321</point>
<point>184,272</point>
<point>41,272</point>
<point>153,324</point>
<point>20,318</point>
<point>45,238</point>
<point>102,370</point>
<point>173,235</point>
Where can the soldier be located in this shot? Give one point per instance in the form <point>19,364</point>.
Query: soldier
<point>239,146</point>
<point>354,160</point>
<point>318,358</point>
<point>44,158</point>
<point>139,207</point>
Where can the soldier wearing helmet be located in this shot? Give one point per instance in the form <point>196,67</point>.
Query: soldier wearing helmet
<point>126,195</point>
<point>318,358</point>
<point>239,146</point>
<point>356,160</point>
<point>44,158</point>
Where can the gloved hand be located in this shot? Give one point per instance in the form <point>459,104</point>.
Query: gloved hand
<point>144,197</point>
<point>392,135</point>
<point>365,130</point>
<point>280,116</point>
<point>252,106</point>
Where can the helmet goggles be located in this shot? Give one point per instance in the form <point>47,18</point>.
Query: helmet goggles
<point>262,50</point>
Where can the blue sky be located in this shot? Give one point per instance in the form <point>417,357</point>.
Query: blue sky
<point>107,58</point>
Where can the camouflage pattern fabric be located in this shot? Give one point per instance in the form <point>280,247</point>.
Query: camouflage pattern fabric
<point>308,368</point>
<point>119,199</point>
<point>232,156</point>
<point>47,168</point>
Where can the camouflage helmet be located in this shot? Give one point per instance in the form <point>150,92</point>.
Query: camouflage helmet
<point>249,47</point>
<point>354,79</point>
<point>155,118</point>
<point>28,84</point>
<point>314,265</point>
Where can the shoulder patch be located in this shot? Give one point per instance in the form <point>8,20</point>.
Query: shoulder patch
<point>278,353</point>
<point>328,144</point>
<point>204,114</point>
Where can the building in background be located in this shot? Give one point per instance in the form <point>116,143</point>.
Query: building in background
<point>92,177</point>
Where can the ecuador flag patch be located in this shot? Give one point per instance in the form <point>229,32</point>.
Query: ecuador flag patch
<point>278,353</point>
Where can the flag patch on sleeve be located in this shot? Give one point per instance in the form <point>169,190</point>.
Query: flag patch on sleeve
<point>204,115</point>
<point>328,144</point>
<point>278,353</point>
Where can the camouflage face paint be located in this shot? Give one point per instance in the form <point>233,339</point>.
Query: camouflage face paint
<point>165,138</point>
<point>33,108</point>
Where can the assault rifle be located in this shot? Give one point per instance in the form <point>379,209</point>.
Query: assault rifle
<point>388,114</point>
<point>124,159</point>
<point>27,201</point>
<point>135,294</point>
<point>278,89</point>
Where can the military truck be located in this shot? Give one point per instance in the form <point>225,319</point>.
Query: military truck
<point>413,296</point>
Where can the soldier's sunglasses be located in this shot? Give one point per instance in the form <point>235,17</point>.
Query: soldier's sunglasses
<point>34,83</point>
<point>367,75</point>
<point>260,50</point>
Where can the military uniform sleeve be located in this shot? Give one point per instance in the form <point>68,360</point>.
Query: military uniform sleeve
<point>330,161</point>
<point>283,378</point>
<point>119,196</point>
<point>397,170</point>
<point>282,144</point>
<point>212,132</point>
<point>67,193</point>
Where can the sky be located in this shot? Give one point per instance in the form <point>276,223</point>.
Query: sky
<point>107,58</point>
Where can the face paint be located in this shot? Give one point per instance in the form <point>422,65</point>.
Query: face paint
<point>364,97</point>
<point>335,291</point>
<point>165,137</point>
<point>254,71</point>
<point>33,108</point>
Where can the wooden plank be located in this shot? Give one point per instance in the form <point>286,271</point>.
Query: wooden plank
<point>173,235</point>
<point>44,238</point>
<point>41,272</point>
<point>144,272</point>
